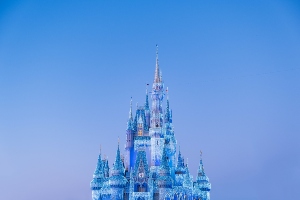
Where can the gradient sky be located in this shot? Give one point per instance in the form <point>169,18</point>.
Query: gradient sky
<point>69,68</point>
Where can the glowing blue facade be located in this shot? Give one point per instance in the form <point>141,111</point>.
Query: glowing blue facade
<point>149,169</point>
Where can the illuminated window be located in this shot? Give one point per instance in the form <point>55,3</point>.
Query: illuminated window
<point>140,133</point>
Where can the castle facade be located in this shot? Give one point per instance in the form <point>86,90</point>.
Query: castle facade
<point>150,168</point>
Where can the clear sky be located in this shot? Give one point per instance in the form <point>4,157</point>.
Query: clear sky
<point>69,68</point>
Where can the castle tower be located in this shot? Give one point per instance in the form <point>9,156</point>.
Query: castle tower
<point>202,185</point>
<point>170,137</point>
<point>188,183</point>
<point>129,147</point>
<point>180,170</point>
<point>156,120</point>
<point>164,181</point>
<point>98,179</point>
<point>117,181</point>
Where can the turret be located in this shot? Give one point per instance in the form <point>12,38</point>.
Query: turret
<point>170,137</point>
<point>188,179</point>
<point>164,181</point>
<point>129,148</point>
<point>98,179</point>
<point>180,170</point>
<point>117,181</point>
<point>130,119</point>
<point>202,185</point>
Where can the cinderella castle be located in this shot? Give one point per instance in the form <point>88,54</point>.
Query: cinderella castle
<point>150,168</point>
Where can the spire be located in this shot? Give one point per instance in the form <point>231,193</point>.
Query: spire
<point>98,176</point>
<point>168,113</point>
<point>118,168</point>
<point>167,91</point>
<point>180,162</point>
<point>99,167</point>
<point>202,180</point>
<point>180,168</point>
<point>201,167</point>
<point>130,111</point>
<point>118,180</point>
<point>157,75</point>
<point>147,102</point>
<point>164,180</point>
<point>130,120</point>
<point>165,168</point>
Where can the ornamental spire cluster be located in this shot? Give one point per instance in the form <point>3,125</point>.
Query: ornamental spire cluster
<point>150,168</point>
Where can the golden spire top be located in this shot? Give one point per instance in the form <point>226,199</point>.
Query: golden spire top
<point>157,72</point>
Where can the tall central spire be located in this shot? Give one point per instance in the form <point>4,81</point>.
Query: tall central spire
<point>157,75</point>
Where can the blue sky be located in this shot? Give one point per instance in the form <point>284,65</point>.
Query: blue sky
<point>69,68</point>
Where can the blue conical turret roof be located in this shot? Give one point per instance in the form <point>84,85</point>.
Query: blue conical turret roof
<point>117,179</point>
<point>98,176</point>
<point>180,168</point>
<point>164,179</point>
<point>118,167</point>
<point>202,182</point>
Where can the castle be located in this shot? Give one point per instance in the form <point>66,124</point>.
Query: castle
<point>149,169</point>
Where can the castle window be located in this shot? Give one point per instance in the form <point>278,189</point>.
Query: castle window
<point>140,133</point>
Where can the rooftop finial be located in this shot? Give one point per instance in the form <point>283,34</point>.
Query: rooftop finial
<point>147,88</point>
<point>118,141</point>
<point>167,91</point>
<point>200,154</point>
<point>157,73</point>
